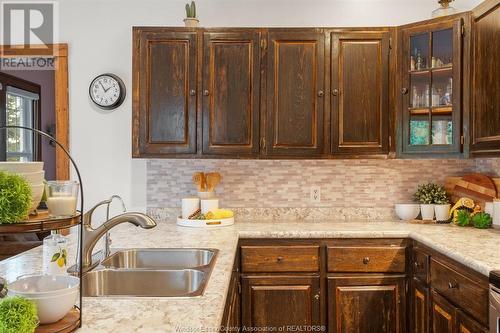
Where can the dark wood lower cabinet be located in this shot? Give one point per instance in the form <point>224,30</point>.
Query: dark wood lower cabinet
<point>443,314</point>
<point>366,304</point>
<point>466,324</point>
<point>420,307</point>
<point>280,303</point>
<point>231,321</point>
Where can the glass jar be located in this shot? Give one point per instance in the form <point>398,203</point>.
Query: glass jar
<point>62,198</point>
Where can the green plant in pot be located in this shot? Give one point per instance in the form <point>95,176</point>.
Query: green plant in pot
<point>425,196</point>
<point>15,198</point>
<point>17,315</point>
<point>482,220</point>
<point>441,204</point>
<point>191,20</point>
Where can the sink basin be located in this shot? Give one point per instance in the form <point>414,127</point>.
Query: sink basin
<point>145,283</point>
<point>169,259</point>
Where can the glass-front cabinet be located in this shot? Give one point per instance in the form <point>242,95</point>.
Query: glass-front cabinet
<point>431,94</point>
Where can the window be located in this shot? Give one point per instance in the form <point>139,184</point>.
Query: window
<point>21,106</point>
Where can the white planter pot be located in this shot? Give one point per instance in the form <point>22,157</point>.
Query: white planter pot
<point>191,22</point>
<point>442,212</point>
<point>427,211</point>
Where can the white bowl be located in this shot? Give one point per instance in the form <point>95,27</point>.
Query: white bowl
<point>21,167</point>
<point>44,285</point>
<point>407,211</point>
<point>54,295</point>
<point>34,178</point>
<point>36,196</point>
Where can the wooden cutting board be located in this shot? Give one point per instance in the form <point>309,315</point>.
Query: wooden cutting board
<point>476,186</point>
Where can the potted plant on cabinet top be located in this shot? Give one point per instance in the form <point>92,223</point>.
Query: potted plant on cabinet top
<point>191,20</point>
<point>432,198</point>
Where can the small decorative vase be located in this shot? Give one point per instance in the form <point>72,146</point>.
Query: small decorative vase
<point>427,211</point>
<point>191,22</point>
<point>442,212</point>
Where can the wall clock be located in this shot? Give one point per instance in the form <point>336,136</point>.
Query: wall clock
<point>107,91</point>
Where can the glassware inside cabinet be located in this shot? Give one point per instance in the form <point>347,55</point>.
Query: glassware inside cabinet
<point>442,48</point>
<point>419,46</point>
<point>442,88</point>
<point>442,130</point>
<point>419,92</point>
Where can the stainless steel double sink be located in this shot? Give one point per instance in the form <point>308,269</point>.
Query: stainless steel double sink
<point>179,272</point>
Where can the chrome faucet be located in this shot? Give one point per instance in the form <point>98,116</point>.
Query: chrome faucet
<point>91,236</point>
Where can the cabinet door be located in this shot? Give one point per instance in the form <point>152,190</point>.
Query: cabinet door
<point>164,98</point>
<point>360,93</point>
<point>420,306</point>
<point>279,301</point>
<point>231,86</point>
<point>231,320</point>
<point>431,107</point>
<point>295,93</point>
<point>443,314</point>
<point>485,82</point>
<point>466,324</point>
<point>366,304</point>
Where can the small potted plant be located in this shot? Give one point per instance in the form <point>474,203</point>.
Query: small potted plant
<point>191,20</point>
<point>425,196</point>
<point>441,204</point>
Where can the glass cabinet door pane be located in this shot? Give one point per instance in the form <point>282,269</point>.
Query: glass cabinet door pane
<point>442,48</point>
<point>419,90</point>
<point>419,130</point>
<point>419,49</point>
<point>442,88</point>
<point>442,130</point>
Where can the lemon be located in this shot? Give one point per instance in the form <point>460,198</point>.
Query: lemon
<point>60,262</point>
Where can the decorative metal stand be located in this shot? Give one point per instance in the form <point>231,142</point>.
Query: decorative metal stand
<point>43,222</point>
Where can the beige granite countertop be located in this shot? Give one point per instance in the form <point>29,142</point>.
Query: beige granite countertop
<point>477,249</point>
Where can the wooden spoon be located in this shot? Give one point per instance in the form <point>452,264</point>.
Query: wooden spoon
<point>199,181</point>
<point>213,179</point>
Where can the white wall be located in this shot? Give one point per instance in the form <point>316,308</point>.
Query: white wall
<point>99,36</point>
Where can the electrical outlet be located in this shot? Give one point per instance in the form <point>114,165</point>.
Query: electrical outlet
<point>315,194</point>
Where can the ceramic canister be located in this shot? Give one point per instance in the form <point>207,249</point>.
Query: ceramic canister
<point>209,205</point>
<point>189,206</point>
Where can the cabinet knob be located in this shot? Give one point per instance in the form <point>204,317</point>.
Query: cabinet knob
<point>335,92</point>
<point>206,92</point>
<point>404,91</point>
<point>366,260</point>
<point>316,296</point>
<point>452,285</point>
<point>279,259</point>
<point>321,93</point>
<point>416,264</point>
<point>192,92</point>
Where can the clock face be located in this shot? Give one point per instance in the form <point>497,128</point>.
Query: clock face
<point>107,91</point>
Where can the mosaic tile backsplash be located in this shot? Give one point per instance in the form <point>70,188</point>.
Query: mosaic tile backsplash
<point>262,184</point>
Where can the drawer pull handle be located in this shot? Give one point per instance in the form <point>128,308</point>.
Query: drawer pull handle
<point>192,92</point>
<point>206,92</point>
<point>416,264</point>
<point>452,285</point>
<point>279,259</point>
<point>366,260</point>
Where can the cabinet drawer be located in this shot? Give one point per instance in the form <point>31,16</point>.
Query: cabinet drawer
<point>420,265</point>
<point>461,290</point>
<point>386,259</point>
<point>280,258</point>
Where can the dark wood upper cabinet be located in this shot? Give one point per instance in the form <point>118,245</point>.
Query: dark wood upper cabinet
<point>295,93</point>
<point>431,62</point>
<point>279,301</point>
<point>485,79</point>
<point>360,92</point>
<point>164,92</point>
<point>231,92</point>
<point>366,304</point>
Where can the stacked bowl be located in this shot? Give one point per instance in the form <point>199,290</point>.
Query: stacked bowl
<point>54,295</point>
<point>34,175</point>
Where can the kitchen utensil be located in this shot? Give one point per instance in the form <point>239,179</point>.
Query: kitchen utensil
<point>208,205</point>
<point>205,223</point>
<point>213,179</point>
<point>407,211</point>
<point>199,181</point>
<point>476,186</point>
<point>189,206</point>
